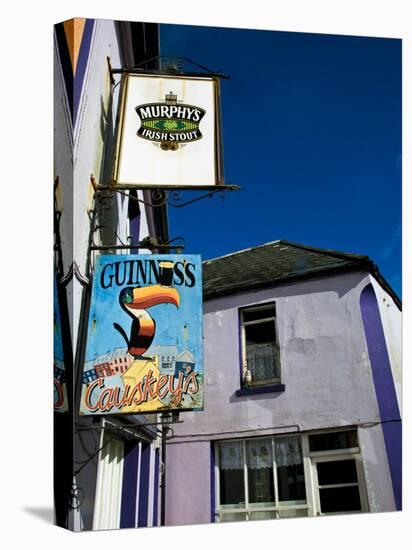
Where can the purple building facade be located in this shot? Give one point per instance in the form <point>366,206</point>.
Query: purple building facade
<point>302,391</point>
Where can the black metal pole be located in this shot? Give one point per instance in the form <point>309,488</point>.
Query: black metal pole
<point>62,421</point>
<point>163,478</point>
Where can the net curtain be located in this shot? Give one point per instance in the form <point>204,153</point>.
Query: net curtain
<point>259,453</point>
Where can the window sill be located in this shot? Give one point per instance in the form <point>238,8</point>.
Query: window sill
<point>271,388</point>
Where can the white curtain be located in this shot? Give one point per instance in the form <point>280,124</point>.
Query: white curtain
<point>261,360</point>
<point>259,453</point>
<point>231,455</point>
<point>287,451</point>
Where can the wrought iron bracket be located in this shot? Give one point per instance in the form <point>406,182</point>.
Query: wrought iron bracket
<point>160,196</point>
<point>175,66</point>
<point>74,270</point>
<point>102,197</point>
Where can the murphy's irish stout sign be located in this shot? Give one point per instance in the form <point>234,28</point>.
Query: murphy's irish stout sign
<point>168,132</point>
<point>170,124</point>
<point>144,339</point>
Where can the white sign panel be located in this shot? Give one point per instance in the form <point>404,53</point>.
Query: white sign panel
<point>168,133</point>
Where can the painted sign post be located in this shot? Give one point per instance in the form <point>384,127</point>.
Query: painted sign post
<point>173,123</point>
<point>144,339</point>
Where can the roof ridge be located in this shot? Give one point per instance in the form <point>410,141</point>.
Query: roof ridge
<point>241,251</point>
<point>326,251</point>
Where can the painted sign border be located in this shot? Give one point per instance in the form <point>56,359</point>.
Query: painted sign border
<point>103,261</point>
<point>218,156</point>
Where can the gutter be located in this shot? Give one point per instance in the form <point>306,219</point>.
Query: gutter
<point>365,264</point>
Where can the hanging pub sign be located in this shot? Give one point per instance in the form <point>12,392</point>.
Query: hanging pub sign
<point>144,338</point>
<point>169,132</point>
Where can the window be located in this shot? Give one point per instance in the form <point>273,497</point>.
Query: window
<point>330,441</point>
<point>283,476</point>
<point>260,349</point>
<point>260,478</point>
<point>338,473</point>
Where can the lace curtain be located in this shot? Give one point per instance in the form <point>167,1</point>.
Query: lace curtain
<point>259,453</point>
<point>261,361</point>
<point>287,451</point>
<point>231,455</point>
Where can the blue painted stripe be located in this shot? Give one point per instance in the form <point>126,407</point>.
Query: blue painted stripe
<point>144,485</point>
<point>384,388</point>
<point>270,388</point>
<point>212,483</point>
<point>81,65</point>
<point>65,63</point>
<point>129,487</point>
<point>156,489</point>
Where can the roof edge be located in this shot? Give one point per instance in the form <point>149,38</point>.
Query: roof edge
<point>319,273</point>
<point>327,251</point>
<point>359,261</point>
<point>368,267</point>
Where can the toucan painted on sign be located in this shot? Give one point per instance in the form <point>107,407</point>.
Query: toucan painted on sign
<point>135,302</point>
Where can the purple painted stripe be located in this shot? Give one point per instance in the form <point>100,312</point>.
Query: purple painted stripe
<point>212,483</point>
<point>384,388</point>
<point>81,65</point>
<point>144,486</point>
<point>129,487</point>
<point>156,489</point>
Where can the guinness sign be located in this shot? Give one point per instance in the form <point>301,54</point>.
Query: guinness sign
<point>144,340</point>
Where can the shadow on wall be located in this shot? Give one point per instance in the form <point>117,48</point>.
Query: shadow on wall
<point>256,397</point>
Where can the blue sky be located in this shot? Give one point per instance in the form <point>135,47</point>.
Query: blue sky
<point>312,134</point>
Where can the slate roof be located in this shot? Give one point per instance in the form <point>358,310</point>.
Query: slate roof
<point>277,262</point>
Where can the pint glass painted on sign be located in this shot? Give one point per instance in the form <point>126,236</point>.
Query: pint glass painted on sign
<point>166,273</point>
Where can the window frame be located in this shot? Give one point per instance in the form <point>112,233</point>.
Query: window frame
<point>243,347</point>
<point>309,460</point>
<point>332,455</point>
<point>248,508</point>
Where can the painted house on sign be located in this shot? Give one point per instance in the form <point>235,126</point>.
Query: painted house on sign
<point>302,408</point>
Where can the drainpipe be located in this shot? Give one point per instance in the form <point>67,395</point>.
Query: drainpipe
<point>163,474</point>
<point>166,419</point>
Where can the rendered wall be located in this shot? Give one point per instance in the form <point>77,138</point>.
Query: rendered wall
<point>328,383</point>
<point>188,492</point>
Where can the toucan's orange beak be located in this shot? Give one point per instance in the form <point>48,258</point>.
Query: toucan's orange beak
<point>148,296</point>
